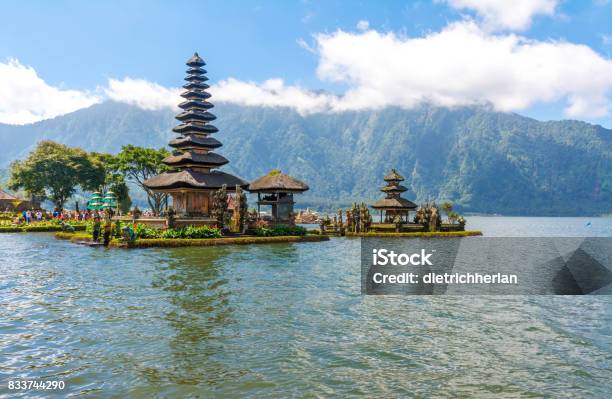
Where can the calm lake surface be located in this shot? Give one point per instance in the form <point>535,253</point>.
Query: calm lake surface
<point>286,320</point>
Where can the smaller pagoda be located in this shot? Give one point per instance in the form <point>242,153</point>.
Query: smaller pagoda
<point>276,189</point>
<point>393,204</point>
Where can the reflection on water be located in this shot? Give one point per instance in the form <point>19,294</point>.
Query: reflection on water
<point>276,321</point>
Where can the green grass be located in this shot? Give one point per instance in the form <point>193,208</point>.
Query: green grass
<point>63,235</point>
<point>34,228</point>
<point>205,242</point>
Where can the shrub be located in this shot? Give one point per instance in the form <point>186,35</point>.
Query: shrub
<point>35,227</point>
<point>191,232</point>
<point>143,231</point>
<point>280,230</point>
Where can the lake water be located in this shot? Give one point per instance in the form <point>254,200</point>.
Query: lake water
<point>286,320</point>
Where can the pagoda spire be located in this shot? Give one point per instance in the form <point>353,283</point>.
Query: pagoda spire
<point>194,145</point>
<point>393,205</point>
<point>194,176</point>
<point>393,188</point>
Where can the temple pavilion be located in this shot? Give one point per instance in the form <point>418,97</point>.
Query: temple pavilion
<point>194,177</point>
<point>276,189</point>
<point>393,204</point>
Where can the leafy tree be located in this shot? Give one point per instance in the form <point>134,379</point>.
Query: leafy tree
<point>447,207</point>
<point>53,171</point>
<point>114,180</point>
<point>139,164</point>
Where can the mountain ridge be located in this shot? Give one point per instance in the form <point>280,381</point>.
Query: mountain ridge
<point>484,161</point>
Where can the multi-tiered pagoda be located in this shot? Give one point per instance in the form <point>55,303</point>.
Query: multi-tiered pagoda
<point>193,177</point>
<point>393,204</point>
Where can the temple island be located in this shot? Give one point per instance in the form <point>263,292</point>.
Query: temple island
<point>210,202</point>
<point>394,216</point>
<point>393,205</point>
<point>210,206</point>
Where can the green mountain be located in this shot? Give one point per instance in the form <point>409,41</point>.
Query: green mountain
<point>484,161</point>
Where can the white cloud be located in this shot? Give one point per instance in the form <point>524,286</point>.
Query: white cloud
<point>140,92</point>
<point>461,65</point>
<point>26,98</point>
<point>303,44</point>
<point>363,25</point>
<point>271,93</point>
<point>507,14</point>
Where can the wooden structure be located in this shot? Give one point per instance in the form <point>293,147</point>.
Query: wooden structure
<point>393,204</point>
<point>193,178</point>
<point>15,204</point>
<point>276,189</point>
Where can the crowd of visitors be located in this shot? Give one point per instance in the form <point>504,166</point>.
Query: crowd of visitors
<point>29,216</point>
<point>39,215</point>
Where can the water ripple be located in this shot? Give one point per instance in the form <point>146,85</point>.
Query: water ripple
<point>276,321</point>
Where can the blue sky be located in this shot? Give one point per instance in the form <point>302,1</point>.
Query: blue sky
<point>76,47</point>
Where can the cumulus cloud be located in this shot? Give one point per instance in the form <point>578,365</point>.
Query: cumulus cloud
<point>460,65</point>
<point>363,25</point>
<point>272,93</point>
<point>142,93</point>
<point>504,14</point>
<point>26,98</point>
<point>463,65</point>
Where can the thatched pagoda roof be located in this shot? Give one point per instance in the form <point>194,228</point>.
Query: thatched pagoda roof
<point>196,85</point>
<point>194,128</point>
<point>393,176</point>
<point>190,158</point>
<point>394,203</point>
<point>194,115</point>
<point>196,71</point>
<point>196,180</point>
<point>6,196</point>
<point>277,181</point>
<point>196,95</point>
<point>195,61</point>
<point>195,141</point>
<point>394,188</point>
<point>196,104</point>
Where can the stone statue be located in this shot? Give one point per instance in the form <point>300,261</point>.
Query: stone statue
<point>66,227</point>
<point>219,206</point>
<point>397,221</point>
<point>136,214</point>
<point>355,212</point>
<point>170,218</point>
<point>128,235</point>
<point>349,220</point>
<point>434,219</point>
<point>239,215</point>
